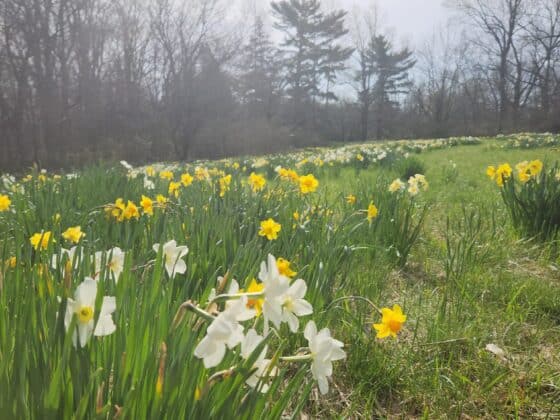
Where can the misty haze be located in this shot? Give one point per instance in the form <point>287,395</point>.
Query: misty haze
<point>270,209</point>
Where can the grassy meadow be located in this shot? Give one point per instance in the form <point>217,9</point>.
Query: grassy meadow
<point>103,316</point>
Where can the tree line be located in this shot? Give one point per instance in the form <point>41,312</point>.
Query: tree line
<point>144,80</point>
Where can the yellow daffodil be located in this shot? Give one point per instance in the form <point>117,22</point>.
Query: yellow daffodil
<point>174,188</point>
<point>224,182</point>
<point>167,175</point>
<point>116,210</point>
<point>5,202</point>
<point>255,303</point>
<point>288,174</point>
<point>150,171</point>
<point>308,184</point>
<point>161,200</point>
<point>256,182</point>
<point>284,267</point>
<point>147,205</point>
<point>396,185</point>
<point>502,173</point>
<point>201,174</point>
<point>12,262</point>
<point>535,167</point>
<point>40,240</point>
<point>351,199</point>
<point>130,211</point>
<point>270,229</point>
<point>73,234</point>
<point>391,322</point>
<point>186,179</point>
<point>372,212</point>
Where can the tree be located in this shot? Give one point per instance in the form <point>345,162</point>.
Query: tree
<point>500,21</point>
<point>259,82</point>
<point>311,54</point>
<point>391,76</point>
<point>544,31</point>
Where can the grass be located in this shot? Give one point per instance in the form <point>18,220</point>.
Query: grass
<point>468,280</point>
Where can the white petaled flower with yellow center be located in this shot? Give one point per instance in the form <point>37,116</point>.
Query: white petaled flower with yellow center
<point>324,350</point>
<point>172,255</point>
<point>115,262</point>
<point>282,302</point>
<point>294,305</point>
<point>224,331</point>
<point>83,307</point>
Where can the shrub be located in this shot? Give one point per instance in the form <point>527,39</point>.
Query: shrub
<point>409,167</point>
<point>531,194</point>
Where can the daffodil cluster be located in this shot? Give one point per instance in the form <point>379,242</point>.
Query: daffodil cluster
<point>267,305</point>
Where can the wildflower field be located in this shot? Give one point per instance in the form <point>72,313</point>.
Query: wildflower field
<point>401,279</point>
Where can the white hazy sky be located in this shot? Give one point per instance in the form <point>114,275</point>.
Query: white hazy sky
<point>409,21</point>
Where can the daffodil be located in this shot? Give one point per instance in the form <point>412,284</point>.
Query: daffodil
<point>282,302</point>
<point>115,262</point>
<point>201,173</point>
<point>503,172</point>
<point>308,184</point>
<point>224,183</point>
<point>83,307</point>
<point>147,205</point>
<point>255,302</point>
<point>69,254</point>
<point>284,267</point>
<point>391,322</point>
<point>130,211</point>
<point>396,185</point>
<point>167,175</point>
<point>172,257</point>
<point>351,199</point>
<point>41,240</point>
<point>372,212</point>
<point>174,188</point>
<point>256,182</point>
<point>270,229</point>
<point>294,305</point>
<point>324,350</point>
<point>161,200</point>
<point>224,332</point>
<point>186,179</point>
<point>261,365</point>
<point>5,203</point>
<point>73,234</point>
<point>491,171</point>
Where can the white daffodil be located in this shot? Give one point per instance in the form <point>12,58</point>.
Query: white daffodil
<point>324,350</point>
<point>83,306</point>
<point>149,184</point>
<point>224,331</point>
<point>282,302</point>
<point>115,262</point>
<point>68,252</point>
<point>293,304</point>
<point>261,365</point>
<point>126,165</point>
<point>275,287</point>
<point>172,255</point>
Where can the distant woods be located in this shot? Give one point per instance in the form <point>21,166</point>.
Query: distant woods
<point>144,80</point>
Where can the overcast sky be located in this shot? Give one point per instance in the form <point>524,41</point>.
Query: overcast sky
<point>411,21</point>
